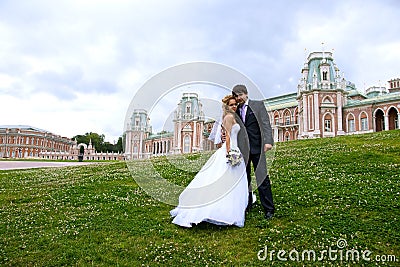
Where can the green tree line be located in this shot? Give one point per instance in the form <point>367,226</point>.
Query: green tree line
<point>98,142</point>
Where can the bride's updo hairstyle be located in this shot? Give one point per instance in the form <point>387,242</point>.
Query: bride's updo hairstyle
<point>225,102</point>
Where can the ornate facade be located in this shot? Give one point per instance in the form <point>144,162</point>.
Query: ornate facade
<point>327,105</point>
<point>189,133</point>
<point>188,125</point>
<point>22,141</point>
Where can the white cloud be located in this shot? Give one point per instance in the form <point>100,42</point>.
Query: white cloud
<point>73,66</point>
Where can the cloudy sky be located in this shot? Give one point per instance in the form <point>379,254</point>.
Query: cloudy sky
<point>72,67</point>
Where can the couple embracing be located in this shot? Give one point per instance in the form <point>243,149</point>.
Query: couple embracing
<point>221,192</point>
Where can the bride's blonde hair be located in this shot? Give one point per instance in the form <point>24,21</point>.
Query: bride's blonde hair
<point>225,104</point>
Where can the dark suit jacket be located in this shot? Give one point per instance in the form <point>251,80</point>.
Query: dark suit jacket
<point>258,128</point>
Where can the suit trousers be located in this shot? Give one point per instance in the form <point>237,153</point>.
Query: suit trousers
<point>263,183</point>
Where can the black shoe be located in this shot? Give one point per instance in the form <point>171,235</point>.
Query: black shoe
<point>250,202</point>
<point>249,207</point>
<point>268,215</point>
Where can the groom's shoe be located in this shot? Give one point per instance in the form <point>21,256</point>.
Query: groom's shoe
<point>250,202</point>
<point>268,215</point>
<point>249,207</point>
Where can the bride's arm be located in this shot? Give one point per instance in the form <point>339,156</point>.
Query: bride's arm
<point>228,122</point>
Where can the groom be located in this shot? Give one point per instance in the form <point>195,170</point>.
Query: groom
<point>259,133</point>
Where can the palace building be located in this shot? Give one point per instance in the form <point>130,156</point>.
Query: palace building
<point>325,105</point>
<point>23,141</point>
<point>188,135</point>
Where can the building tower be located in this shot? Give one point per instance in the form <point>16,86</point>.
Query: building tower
<point>321,95</point>
<point>394,85</point>
<point>138,129</point>
<point>188,125</point>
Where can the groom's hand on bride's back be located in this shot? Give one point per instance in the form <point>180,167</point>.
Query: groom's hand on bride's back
<point>223,137</point>
<point>267,147</point>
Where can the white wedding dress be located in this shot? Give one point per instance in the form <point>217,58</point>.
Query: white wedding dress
<point>218,193</point>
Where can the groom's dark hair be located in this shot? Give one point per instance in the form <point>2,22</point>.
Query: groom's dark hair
<point>239,89</point>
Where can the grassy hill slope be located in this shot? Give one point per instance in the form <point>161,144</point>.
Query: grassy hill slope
<point>339,196</point>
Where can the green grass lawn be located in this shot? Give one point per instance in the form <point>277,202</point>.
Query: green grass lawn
<point>343,189</point>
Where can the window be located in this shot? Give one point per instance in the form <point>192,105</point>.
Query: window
<point>276,120</point>
<point>324,75</point>
<point>351,126</point>
<point>186,144</point>
<point>328,126</point>
<point>287,120</point>
<point>364,124</point>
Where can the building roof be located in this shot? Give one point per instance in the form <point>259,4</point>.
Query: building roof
<point>290,100</point>
<point>281,102</point>
<point>24,127</point>
<point>355,92</point>
<point>160,135</point>
<point>373,100</point>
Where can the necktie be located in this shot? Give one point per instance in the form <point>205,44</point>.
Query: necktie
<point>243,112</point>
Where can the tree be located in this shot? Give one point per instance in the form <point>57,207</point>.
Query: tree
<point>98,142</point>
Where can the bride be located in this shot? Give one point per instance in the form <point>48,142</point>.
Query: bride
<point>218,193</point>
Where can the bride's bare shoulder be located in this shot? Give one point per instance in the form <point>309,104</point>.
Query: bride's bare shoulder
<point>229,116</point>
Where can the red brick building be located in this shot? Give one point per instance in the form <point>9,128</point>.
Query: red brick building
<point>188,136</point>
<point>23,141</point>
<point>327,105</point>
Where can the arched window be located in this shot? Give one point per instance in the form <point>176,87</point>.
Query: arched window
<point>287,136</point>
<point>350,124</point>
<point>324,75</point>
<point>276,119</point>
<point>188,107</point>
<point>186,144</point>
<point>328,123</point>
<point>364,121</point>
<point>286,117</point>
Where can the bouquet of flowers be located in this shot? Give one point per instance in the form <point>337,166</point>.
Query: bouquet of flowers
<point>234,157</point>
